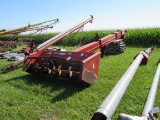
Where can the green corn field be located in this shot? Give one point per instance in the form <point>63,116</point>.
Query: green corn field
<point>135,37</point>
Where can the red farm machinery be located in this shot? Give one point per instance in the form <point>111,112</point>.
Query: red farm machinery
<point>12,34</point>
<point>79,64</point>
<point>11,43</point>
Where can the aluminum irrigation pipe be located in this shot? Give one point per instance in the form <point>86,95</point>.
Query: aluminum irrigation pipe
<point>109,105</point>
<point>148,108</point>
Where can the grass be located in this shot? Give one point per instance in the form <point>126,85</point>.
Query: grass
<point>25,96</point>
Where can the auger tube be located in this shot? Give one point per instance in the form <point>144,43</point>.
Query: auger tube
<point>151,96</point>
<point>149,102</point>
<point>58,37</point>
<point>27,28</point>
<point>109,105</point>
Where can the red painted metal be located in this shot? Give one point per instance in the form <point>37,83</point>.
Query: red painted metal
<point>11,66</point>
<point>40,61</point>
<point>81,63</point>
<point>59,37</point>
<point>103,42</point>
<point>145,59</point>
<point>84,65</point>
<point>64,34</point>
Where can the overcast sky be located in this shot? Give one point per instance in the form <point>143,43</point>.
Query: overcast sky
<point>108,14</point>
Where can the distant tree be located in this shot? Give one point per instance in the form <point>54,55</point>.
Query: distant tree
<point>2,30</point>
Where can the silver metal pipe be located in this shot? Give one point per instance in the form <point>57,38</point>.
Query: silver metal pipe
<point>149,102</point>
<point>109,105</point>
<point>152,93</point>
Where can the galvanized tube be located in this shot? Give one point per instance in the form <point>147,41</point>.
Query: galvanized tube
<point>149,102</point>
<point>152,93</point>
<point>109,105</point>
